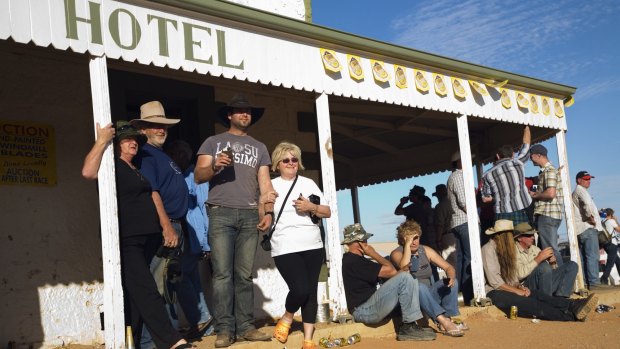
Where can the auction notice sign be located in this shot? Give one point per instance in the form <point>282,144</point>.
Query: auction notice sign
<point>27,153</point>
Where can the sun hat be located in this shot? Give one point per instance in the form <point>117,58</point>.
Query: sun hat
<point>153,112</point>
<point>418,190</point>
<point>501,225</point>
<point>440,189</point>
<point>239,101</point>
<point>125,130</point>
<point>354,232</point>
<point>524,229</point>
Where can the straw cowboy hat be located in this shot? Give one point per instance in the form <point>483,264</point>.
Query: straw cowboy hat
<point>524,229</point>
<point>354,232</point>
<point>239,101</point>
<point>501,225</point>
<point>153,112</point>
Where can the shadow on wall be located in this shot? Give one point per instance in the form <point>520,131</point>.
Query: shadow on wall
<point>50,282</point>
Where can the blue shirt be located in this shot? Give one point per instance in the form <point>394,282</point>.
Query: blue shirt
<point>197,219</point>
<point>166,178</point>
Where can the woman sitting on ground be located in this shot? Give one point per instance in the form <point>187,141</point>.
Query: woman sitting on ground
<point>438,299</point>
<point>499,259</point>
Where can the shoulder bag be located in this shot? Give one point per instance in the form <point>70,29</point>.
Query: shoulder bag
<point>266,242</point>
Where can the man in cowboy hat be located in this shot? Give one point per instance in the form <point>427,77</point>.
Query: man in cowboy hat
<point>538,269</point>
<point>368,305</point>
<point>504,183</point>
<point>170,195</point>
<point>587,225</point>
<point>504,289</point>
<point>237,168</point>
<point>548,200</point>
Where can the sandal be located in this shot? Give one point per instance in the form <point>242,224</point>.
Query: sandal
<point>281,331</point>
<point>308,344</point>
<point>460,324</point>
<point>454,333</point>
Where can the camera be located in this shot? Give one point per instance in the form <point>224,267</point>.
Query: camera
<point>315,199</point>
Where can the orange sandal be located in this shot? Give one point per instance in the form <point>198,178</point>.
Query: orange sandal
<point>308,344</point>
<point>281,331</point>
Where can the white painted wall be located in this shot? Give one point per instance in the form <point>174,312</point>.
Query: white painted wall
<point>289,8</point>
<point>50,280</point>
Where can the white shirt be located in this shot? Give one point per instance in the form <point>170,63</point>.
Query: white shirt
<point>294,231</point>
<point>610,226</point>
<point>584,207</point>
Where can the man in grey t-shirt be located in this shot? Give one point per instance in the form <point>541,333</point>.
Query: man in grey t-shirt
<point>237,169</point>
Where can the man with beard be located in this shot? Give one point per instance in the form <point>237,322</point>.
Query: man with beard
<point>237,168</point>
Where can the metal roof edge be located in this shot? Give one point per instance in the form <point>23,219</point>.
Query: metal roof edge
<point>247,15</point>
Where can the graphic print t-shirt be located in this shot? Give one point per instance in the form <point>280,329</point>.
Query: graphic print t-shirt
<point>236,186</point>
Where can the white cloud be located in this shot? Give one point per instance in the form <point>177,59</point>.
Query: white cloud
<point>494,33</point>
<point>598,87</point>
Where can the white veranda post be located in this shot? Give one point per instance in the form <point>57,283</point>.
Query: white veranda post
<point>477,272</point>
<point>560,139</point>
<point>114,317</point>
<point>332,234</point>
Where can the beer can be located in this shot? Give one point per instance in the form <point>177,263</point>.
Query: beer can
<point>513,312</point>
<point>354,338</point>
<point>325,343</point>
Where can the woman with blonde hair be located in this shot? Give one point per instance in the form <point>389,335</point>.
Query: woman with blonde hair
<point>438,298</point>
<point>499,260</point>
<point>297,247</point>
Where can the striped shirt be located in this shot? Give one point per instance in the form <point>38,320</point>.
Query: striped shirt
<point>549,178</point>
<point>505,182</point>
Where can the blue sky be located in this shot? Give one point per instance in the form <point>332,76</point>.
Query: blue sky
<point>571,42</point>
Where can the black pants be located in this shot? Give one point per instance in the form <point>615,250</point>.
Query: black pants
<point>143,303</point>
<point>300,271</point>
<point>537,305</point>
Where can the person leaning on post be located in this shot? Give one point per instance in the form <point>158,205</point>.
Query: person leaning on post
<point>140,235</point>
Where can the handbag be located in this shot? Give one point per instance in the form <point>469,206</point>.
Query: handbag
<point>266,242</point>
<point>603,237</point>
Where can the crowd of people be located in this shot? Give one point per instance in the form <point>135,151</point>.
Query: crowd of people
<point>176,210</point>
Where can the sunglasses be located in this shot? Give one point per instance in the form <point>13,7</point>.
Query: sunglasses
<point>287,160</point>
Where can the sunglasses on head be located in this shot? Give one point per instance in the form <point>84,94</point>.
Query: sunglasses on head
<point>287,160</point>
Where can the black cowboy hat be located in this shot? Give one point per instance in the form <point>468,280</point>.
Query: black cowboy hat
<point>239,101</point>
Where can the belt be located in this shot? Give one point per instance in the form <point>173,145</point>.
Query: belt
<point>178,221</point>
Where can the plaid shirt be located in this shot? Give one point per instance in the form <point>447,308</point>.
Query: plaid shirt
<point>505,182</point>
<point>456,196</point>
<point>550,178</point>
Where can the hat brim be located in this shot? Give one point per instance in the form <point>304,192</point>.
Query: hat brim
<point>156,120</point>
<point>586,177</point>
<point>529,233</point>
<point>222,114</point>
<point>492,231</point>
<point>348,241</point>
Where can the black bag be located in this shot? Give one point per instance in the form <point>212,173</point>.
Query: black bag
<point>317,201</point>
<point>266,242</point>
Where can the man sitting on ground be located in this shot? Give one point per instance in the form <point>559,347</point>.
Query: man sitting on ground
<point>539,270</point>
<point>370,305</point>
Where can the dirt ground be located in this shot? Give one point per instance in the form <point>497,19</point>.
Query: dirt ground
<point>488,331</point>
<point>493,330</point>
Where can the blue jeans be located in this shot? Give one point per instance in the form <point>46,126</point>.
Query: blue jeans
<point>191,297</point>
<point>400,289</point>
<point>553,282</point>
<point>463,261</point>
<point>233,238</point>
<point>588,246</point>
<point>548,234</point>
<point>439,299</point>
